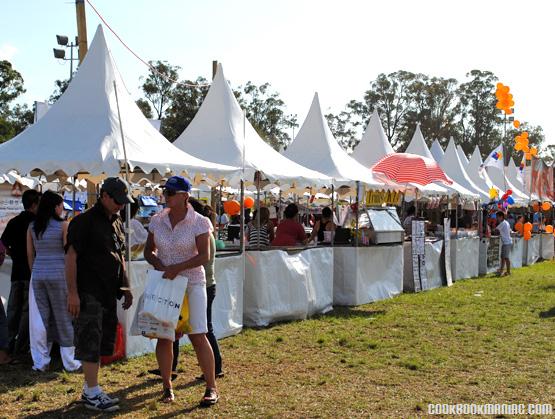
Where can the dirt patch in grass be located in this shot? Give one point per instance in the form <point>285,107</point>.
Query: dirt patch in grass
<point>486,340</point>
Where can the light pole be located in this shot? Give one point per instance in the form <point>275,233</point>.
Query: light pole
<point>61,53</point>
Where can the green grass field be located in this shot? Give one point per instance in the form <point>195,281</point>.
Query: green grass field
<point>485,340</point>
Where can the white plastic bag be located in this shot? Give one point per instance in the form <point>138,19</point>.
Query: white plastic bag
<point>163,298</point>
<point>144,325</point>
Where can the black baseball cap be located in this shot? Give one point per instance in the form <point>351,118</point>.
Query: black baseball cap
<point>118,189</point>
<point>178,184</point>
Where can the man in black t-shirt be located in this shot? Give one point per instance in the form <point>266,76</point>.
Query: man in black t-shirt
<point>14,239</point>
<point>95,273</point>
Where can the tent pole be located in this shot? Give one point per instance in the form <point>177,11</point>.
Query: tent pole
<point>127,206</point>
<point>221,208</point>
<point>258,246</point>
<point>357,212</point>
<point>333,214</point>
<point>242,221</point>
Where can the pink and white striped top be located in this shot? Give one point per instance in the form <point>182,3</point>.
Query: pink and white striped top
<point>178,245</point>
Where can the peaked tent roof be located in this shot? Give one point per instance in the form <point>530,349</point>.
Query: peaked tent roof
<point>478,176</point>
<point>81,132</point>
<point>374,144</point>
<point>418,144</point>
<point>452,165</point>
<point>462,155</point>
<point>512,175</point>
<point>216,133</point>
<point>316,148</point>
<point>437,151</point>
<point>481,177</point>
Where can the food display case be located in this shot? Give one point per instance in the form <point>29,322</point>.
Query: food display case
<point>381,225</point>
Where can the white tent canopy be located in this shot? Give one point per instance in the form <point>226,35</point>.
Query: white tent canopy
<point>452,165</point>
<point>374,144</point>
<point>81,132</point>
<point>462,155</point>
<point>316,148</point>
<point>437,151</point>
<point>418,145</point>
<point>512,175</point>
<point>220,133</point>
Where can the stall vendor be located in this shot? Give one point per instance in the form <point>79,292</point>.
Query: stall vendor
<point>407,222</point>
<point>324,224</point>
<point>290,232</point>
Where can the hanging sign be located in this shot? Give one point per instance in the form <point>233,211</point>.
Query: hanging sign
<point>377,198</point>
<point>447,250</point>
<point>419,256</point>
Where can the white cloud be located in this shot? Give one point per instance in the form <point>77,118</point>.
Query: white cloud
<point>7,52</point>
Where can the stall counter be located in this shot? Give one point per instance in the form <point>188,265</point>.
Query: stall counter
<point>365,274</point>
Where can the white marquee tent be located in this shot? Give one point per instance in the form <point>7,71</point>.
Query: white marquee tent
<point>81,132</point>
<point>220,133</point>
<point>316,148</point>
<point>374,144</point>
<point>462,155</point>
<point>437,151</point>
<point>452,165</point>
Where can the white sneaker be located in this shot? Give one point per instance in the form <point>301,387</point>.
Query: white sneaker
<point>114,400</point>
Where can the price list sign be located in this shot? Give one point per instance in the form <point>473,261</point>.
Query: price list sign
<point>419,256</point>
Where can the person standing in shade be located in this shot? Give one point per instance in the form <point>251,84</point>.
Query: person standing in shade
<point>322,225</point>
<point>178,243</point>
<point>96,278</point>
<point>504,230</point>
<point>14,239</point>
<point>49,320</point>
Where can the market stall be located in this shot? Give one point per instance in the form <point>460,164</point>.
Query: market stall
<point>547,246</point>
<point>435,271</point>
<point>287,284</point>
<point>517,251</point>
<point>490,255</point>
<point>531,253</point>
<point>464,257</point>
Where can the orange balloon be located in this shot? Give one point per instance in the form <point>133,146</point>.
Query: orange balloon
<point>232,207</point>
<point>527,227</point>
<point>519,228</point>
<point>516,123</point>
<point>549,229</point>
<point>525,134</point>
<point>518,146</point>
<point>527,235</point>
<point>546,206</point>
<point>248,202</point>
<point>528,156</point>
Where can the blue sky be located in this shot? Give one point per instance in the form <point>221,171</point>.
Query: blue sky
<point>302,46</point>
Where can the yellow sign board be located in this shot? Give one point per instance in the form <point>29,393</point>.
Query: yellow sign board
<point>377,198</point>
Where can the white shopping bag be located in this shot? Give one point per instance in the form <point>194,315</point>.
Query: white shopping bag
<point>144,325</point>
<point>163,298</point>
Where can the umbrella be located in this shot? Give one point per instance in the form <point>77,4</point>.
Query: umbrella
<point>411,168</point>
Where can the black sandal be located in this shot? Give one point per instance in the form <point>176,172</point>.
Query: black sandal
<point>210,398</point>
<point>167,396</point>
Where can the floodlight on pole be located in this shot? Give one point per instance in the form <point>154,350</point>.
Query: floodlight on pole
<point>62,40</point>
<point>61,53</point>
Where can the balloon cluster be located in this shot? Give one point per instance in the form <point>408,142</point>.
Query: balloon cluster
<point>527,233</point>
<point>505,200</point>
<point>522,144</point>
<point>505,100</point>
<point>233,207</point>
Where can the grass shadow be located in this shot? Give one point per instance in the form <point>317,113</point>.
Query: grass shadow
<point>344,312</point>
<point>547,314</point>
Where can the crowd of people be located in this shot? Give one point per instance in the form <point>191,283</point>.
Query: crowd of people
<point>67,277</point>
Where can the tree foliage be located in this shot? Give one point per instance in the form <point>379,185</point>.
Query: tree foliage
<point>266,112</point>
<point>185,101</point>
<point>159,85</point>
<point>60,88</point>
<point>145,108</point>
<point>13,119</point>
<point>444,108</point>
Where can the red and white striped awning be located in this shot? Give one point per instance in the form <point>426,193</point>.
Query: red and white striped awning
<point>406,168</point>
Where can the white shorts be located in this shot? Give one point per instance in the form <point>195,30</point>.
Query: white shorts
<point>197,308</point>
